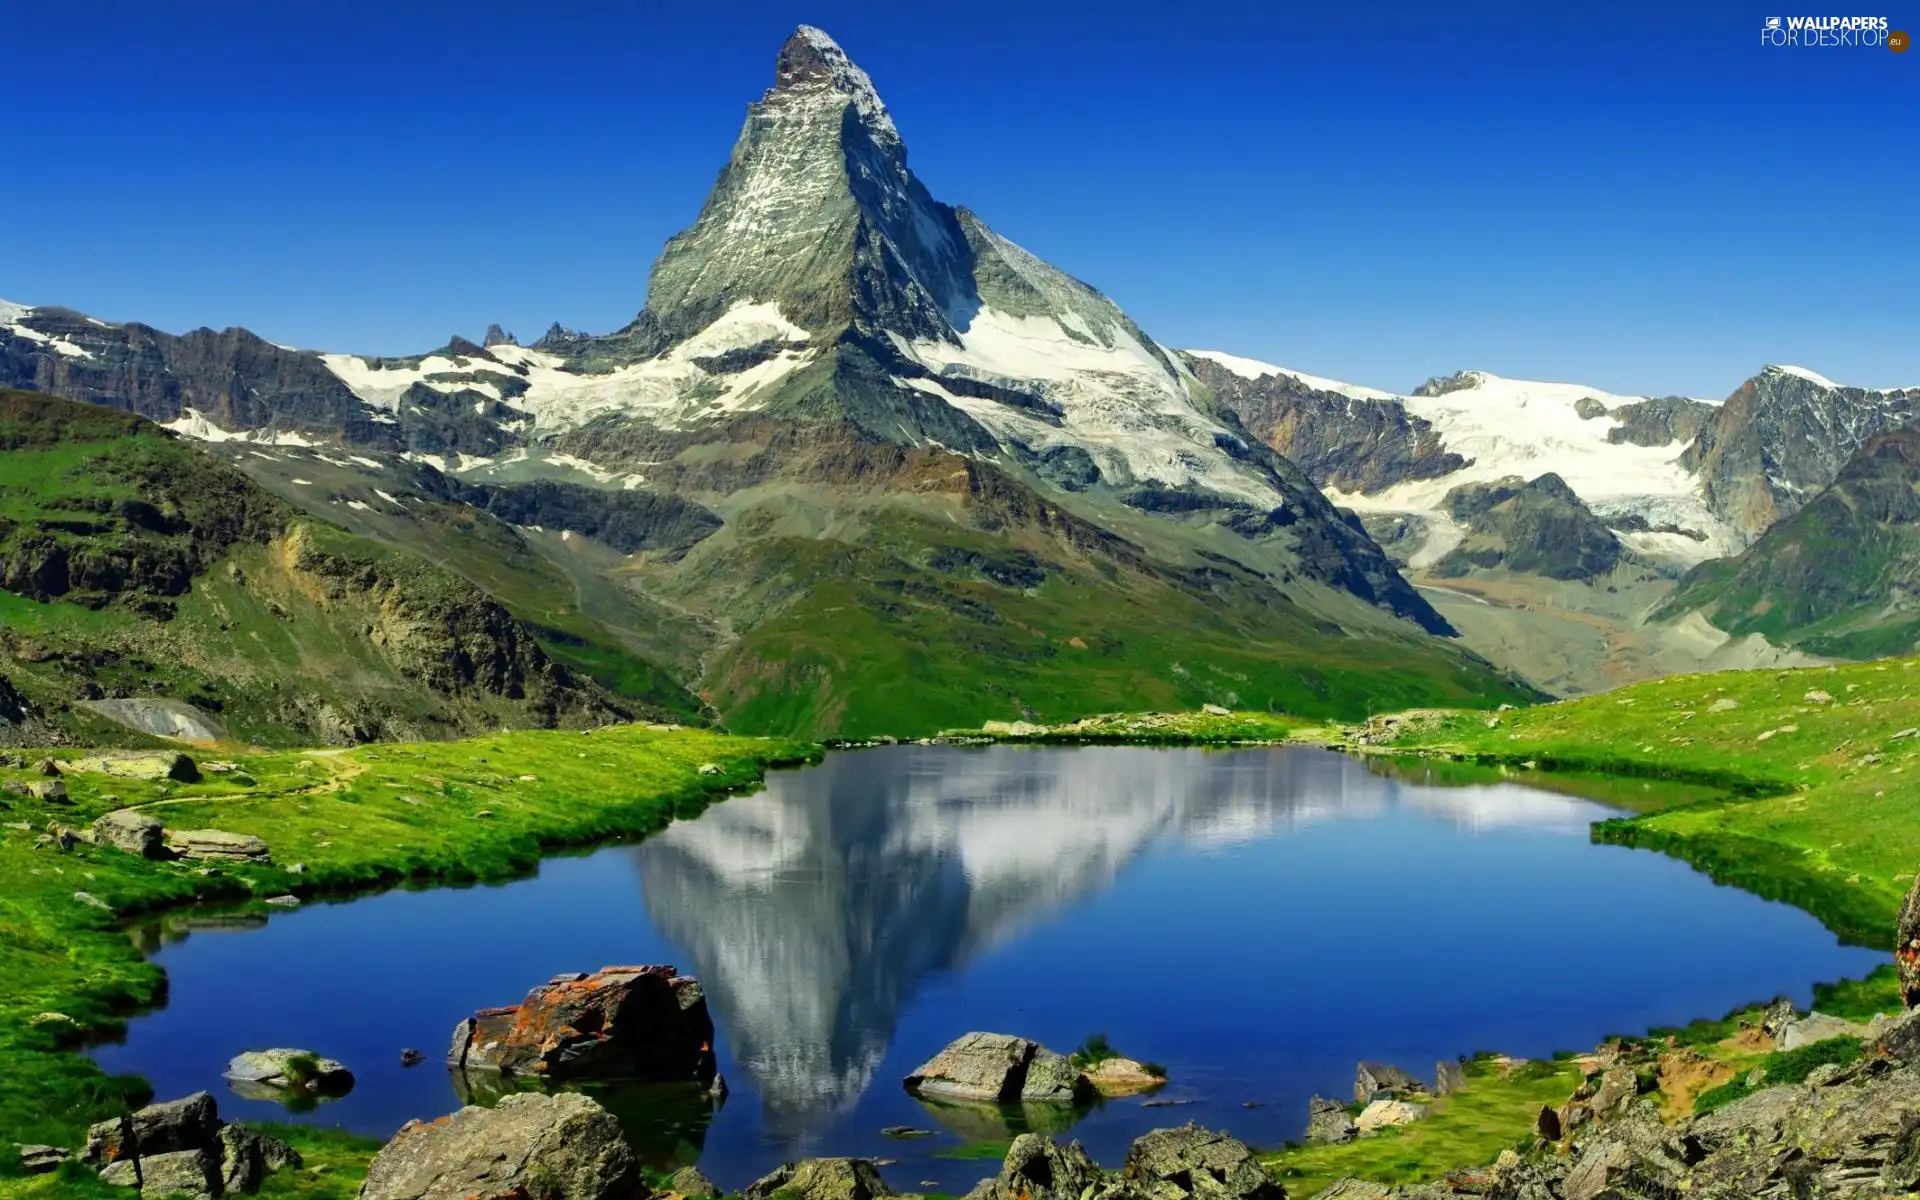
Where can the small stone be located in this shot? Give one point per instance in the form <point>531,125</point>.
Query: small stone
<point>38,1160</point>
<point>412,1058</point>
<point>905,1131</point>
<point>710,768</point>
<point>1818,696</point>
<point>88,898</point>
<point>283,901</point>
<point>1723,704</point>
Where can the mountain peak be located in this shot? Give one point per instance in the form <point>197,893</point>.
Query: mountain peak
<point>811,65</point>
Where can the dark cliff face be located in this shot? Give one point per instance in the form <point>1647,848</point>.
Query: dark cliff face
<point>1841,576</point>
<point>1782,437</point>
<point>231,377</point>
<point>1343,443</point>
<point>1660,421</point>
<point>1539,527</point>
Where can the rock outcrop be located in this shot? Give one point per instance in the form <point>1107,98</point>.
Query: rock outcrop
<point>132,831</point>
<point>1906,949</point>
<point>150,765</point>
<point>564,1147</point>
<point>1188,1163</point>
<point>1540,527</point>
<point>635,1023</point>
<point>183,1148</point>
<point>999,1068</point>
<point>1329,1121</point>
<point>217,845</point>
<point>821,1179</point>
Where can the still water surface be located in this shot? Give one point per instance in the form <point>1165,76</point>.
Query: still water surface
<point>1255,920</point>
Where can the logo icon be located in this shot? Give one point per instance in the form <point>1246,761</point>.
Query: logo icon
<point>1898,41</point>
<point>1773,23</point>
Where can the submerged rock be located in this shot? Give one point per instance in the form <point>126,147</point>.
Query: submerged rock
<point>999,1068</point>
<point>528,1145</point>
<point>272,1074</point>
<point>640,1023</point>
<point>1122,1077</point>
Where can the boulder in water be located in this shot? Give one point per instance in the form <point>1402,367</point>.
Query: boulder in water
<point>640,1023</point>
<point>998,1068</point>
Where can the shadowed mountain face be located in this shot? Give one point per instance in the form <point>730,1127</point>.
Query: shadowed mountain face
<point>814,911</point>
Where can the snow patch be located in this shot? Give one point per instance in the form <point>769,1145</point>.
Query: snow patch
<point>356,505</point>
<point>1803,373</point>
<point>1250,368</point>
<point>667,390</point>
<point>1117,399</point>
<point>389,499</point>
<point>364,461</point>
<point>194,424</point>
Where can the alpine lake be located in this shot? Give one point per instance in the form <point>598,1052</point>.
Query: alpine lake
<point>1255,920</point>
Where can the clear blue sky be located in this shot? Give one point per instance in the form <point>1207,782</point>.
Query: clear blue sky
<point>1636,196</point>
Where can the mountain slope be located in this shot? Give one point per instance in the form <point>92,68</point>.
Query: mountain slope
<point>942,481</point>
<point>1841,576</point>
<point>143,578</point>
<point>1782,437</point>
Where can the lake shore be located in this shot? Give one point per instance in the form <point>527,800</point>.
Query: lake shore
<point>1812,807</point>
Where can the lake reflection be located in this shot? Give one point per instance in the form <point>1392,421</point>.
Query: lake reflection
<point>1256,920</point>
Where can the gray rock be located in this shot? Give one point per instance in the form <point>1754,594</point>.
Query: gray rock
<point>1051,1078</point>
<point>1000,1068</point>
<point>821,1179</point>
<point>1378,1081</point>
<point>1449,1076</point>
<point>1899,1039</point>
<point>1618,1087</point>
<point>1200,1163</point>
<point>1354,1189</point>
<point>562,1145</point>
<point>1329,1121</point>
<point>1906,947</point>
<point>1817,1027</point>
<point>132,831</point>
<point>217,845</point>
<point>279,1069</point>
<point>689,1182</point>
<point>160,717</point>
<point>190,1123</point>
<point>49,791</point>
<point>38,1160</point>
<point>148,765</point>
<point>194,1173</point>
<point>1040,1169</point>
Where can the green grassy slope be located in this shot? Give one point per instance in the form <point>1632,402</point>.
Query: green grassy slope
<point>1839,577</point>
<point>134,565</point>
<point>1820,770</point>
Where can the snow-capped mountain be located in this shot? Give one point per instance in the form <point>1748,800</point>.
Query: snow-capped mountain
<point>1680,478</point>
<point>922,445</point>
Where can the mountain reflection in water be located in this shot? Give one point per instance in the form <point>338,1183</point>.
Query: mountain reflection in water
<point>814,910</point>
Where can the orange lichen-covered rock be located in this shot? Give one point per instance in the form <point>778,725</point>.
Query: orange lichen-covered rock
<point>646,1023</point>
